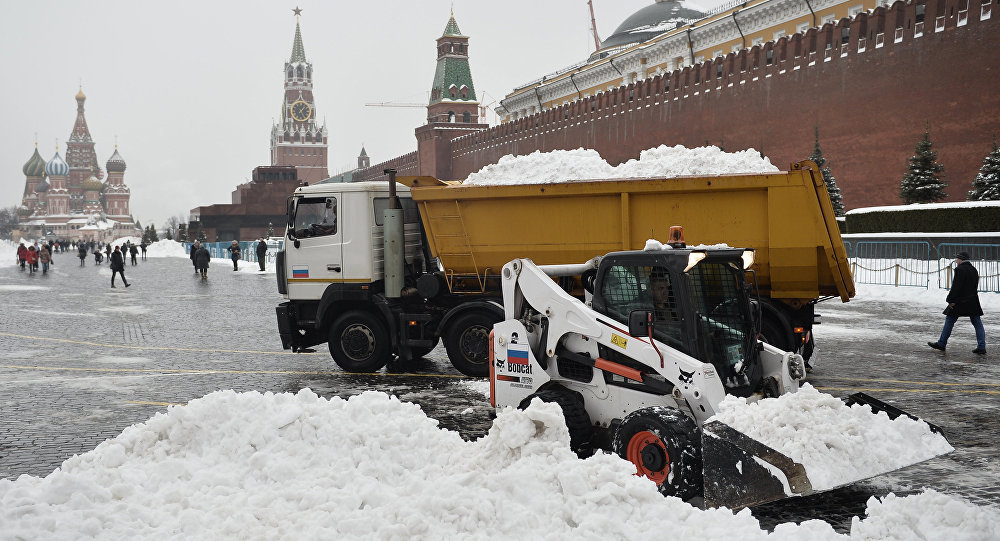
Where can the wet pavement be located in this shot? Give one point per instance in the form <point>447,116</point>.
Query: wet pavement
<point>80,361</point>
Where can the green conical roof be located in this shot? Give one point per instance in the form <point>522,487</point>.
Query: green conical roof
<point>298,51</point>
<point>452,28</point>
<point>35,166</point>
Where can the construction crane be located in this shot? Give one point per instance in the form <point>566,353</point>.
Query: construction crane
<point>593,26</point>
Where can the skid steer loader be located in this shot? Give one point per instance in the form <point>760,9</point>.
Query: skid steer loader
<point>643,363</point>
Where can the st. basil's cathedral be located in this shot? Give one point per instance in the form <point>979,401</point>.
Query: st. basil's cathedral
<point>66,199</point>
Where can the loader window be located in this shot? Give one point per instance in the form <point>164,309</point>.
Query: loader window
<point>641,287</point>
<point>723,320</point>
<point>315,217</point>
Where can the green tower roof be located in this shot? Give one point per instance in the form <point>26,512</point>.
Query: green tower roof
<point>452,28</point>
<point>298,51</point>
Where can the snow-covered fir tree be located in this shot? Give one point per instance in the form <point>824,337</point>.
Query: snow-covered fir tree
<point>168,235</point>
<point>151,234</point>
<point>924,181</point>
<point>831,183</point>
<point>986,187</point>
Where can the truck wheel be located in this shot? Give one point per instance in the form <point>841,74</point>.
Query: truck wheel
<point>575,413</point>
<point>468,343</point>
<point>664,445</point>
<point>776,333</point>
<point>359,342</point>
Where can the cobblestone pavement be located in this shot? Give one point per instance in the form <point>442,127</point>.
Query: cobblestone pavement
<point>80,361</point>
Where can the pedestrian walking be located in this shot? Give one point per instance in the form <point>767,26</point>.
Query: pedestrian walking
<point>118,266</point>
<point>45,257</point>
<point>32,259</point>
<point>201,259</point>
<point>261,252</point>
<point>963,300</point>
<point>81,252</point>
<point>107,251</point>
<point>234,253</point>
<point>143,246</point>
<point>22,255</point>
<point>194,254</point>
<point>133,251</point>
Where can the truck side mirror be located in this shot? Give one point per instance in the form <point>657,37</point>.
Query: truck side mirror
<point>640,322</point>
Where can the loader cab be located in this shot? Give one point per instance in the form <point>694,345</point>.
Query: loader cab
<point>697,301</point>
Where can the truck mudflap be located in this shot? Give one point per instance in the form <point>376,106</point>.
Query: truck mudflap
<point>740,471</point>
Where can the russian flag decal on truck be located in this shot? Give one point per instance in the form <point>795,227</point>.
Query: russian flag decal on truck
<point>300,271</point>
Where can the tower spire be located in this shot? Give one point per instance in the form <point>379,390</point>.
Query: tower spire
<point>298,51</point>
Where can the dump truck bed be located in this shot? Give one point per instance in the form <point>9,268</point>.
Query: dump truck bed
<point>786,216</point>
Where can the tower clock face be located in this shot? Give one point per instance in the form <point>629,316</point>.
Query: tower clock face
<point>301,110</point>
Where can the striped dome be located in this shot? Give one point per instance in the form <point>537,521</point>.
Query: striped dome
<point>35,166</point>
<point>56,167</point>
<point>116,164</point>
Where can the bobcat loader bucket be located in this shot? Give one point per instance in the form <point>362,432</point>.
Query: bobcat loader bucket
<point>740,471</point>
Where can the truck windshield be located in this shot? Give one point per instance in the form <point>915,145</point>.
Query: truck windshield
<point>314,217</point>
<point>722,315</point>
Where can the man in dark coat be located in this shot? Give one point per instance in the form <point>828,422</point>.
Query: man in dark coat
<point>201,259</point>
<point>963,300</point>
<point>82,252</point>
<point>118,266</point>
<point>133,251</point>
<point>261,252</point>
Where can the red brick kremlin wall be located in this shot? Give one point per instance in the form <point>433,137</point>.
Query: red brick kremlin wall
<point>871,106</point>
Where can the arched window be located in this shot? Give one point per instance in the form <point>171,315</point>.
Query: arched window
<point>298,72</point>
<point>466,117</point>
<point>451,116</point>
<point>290,73</point>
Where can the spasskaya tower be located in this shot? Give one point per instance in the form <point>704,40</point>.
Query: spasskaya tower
<point>298,139</point>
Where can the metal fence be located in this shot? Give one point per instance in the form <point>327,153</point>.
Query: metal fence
<point>920,264</point>
<point>248,249</point>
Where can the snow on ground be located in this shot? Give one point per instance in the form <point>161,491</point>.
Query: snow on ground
<point>581,164</point>
<point>298,466</point>
<point>932,297</point>
<point>166,248</point>
<point>837,444</point>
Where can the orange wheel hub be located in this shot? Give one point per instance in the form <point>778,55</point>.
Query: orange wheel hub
<point>647,451</point>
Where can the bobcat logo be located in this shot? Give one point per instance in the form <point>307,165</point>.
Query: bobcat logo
<point>499,363</point>
<point>686,377</point>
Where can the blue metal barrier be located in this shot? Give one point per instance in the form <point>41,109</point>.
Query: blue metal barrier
<point>985,257</point>
<point>905,263</point>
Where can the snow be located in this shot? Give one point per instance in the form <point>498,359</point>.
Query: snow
<point>166,248</point>
<point>837,444</point>
<point>580,164</point>
<point>294,466</point>
<point>927,206</point>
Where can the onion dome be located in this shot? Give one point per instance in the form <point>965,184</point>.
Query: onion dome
<point>80,95</point>
<point>42,186</point>
<point>56,167</point>
<point>35,166</point>
<point>116,164</point>
<point>92,184</point>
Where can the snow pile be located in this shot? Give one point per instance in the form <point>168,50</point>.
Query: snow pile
<point>837,444</point>
<point>580,164</point>
<point>166,248</point>
<point>653,245</point>
<point>121,240</point>
<point>930,515</point>
<point>284,466</point>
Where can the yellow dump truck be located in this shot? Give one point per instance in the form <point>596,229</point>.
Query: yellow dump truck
<point>371,293</point>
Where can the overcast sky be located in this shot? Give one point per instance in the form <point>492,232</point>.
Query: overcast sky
<point>190,89</point>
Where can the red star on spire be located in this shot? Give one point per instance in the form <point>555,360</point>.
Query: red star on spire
<point>297,11</point>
